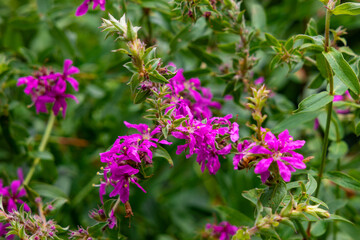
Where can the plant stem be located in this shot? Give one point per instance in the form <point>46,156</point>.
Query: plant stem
<point>301,229</point>
<point>42,146</point>
<point>324,148</point>
<point>329,112</point>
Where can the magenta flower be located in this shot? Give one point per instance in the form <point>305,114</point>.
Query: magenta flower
<point>84,7</point>
<point>223,231</point>
<point>45,88</point>
<point>124,158</point>
<point>189,93</point>
<point>259,81</point>
<point>112,220</point>
<point>281,152</point>
<point>201,139</point>
<point>12,194</point>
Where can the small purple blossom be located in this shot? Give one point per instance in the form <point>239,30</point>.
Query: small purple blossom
<point>12,194</point>
<point>49,87</point>
<point>112,220</point>
<point>124,158</point>
<point>281,152</point>
<point>84,7</point>
<point>222,231</point>
<point>259,81</point>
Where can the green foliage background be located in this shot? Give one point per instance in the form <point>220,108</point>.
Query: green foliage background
<point>179,200</point>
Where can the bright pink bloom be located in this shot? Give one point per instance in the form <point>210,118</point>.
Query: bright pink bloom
<point>47,88</point>
<point>281,152</point>
<point>124,158</point>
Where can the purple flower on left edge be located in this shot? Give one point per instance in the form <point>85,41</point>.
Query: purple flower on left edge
<point>50,87</point>
<point>124,158</point>
<point>222,231</point>
<point>280,151</point>
<point>11,198</point>
<point>84,7</point>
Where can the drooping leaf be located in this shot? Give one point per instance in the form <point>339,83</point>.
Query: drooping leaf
<point>234,216</point>
<point>314,102</point>
<point>273,196</point>
<point>162,153</point>
<point>343,70</point>
<point>348,8</point>
<point>343,180</point>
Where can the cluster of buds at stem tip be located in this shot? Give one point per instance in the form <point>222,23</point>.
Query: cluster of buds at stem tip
<point>122,27</point>
<point>296,211</point>
<point>256,104</point>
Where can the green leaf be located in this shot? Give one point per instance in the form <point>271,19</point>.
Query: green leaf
<point>318,229</point>
<point>343,70</point>
<point>130,66</point>
<point>314,102</point>
<point>339,218</point>
<point>270,39</point>
<point>97,229</point>
<point>253,195</point>
<point>42,155</point>
<point>311,185</point>
<point>311,28</point>
<point>338,150</point>
<point>322,65</point>
<point>157,77</point>
<point>258,16</point>
<point>47,190</point>
<point>234,216</point>
<point>273,196</point>
<point>316,82</point>
<point>348,8</point>
<point>141,96</point>
<point>163,153</point>
<point>343,180</point>
<point>295,121</point>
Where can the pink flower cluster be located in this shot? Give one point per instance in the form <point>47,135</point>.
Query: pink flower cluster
<point>207,139</point>
<point>222,231</point>
<point>205,136</point>
<point>11,196</point>
<point>190,93</point>
<point>124,158</point>
<point>50,87</point>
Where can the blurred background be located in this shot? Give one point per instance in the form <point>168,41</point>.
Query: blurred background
<point>179,200</point>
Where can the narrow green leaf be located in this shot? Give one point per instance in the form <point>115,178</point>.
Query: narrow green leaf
<point>253,195</point>
<point>314,102</point>
<point>47,190</point>
<point>311,28</point>
<point>141,96</point>
<point>311,185</point>
<point>234,216</point>
<point>157,77</point>
<point>339,218</point>
<point>349,8</point>
<point>338,150</point>
<point>295,121</point>
<point>272,40</point>
<point>163,153</point>
<point>343,180</point>
<point>316,82</point>
<point>273,196</point>
<point>343,70</point>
